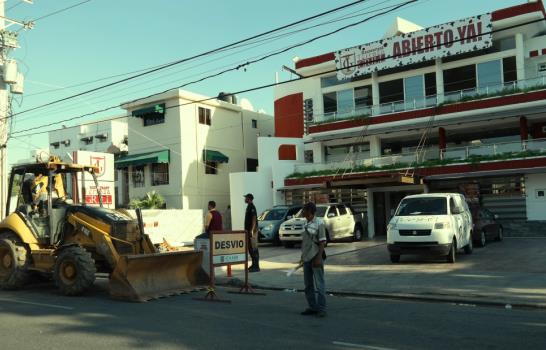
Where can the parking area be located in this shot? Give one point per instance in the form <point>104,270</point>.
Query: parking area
<point>511,271</point>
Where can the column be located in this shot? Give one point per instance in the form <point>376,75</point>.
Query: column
<point>439,81</point>
<point>318,153</point>
<point>520,57</point>
<point>370,213</point>
<point>375,94</point>
<point>375,146</point>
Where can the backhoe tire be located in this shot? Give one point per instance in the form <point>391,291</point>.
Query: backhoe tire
<point>14,261</point>
<point>74,271</point>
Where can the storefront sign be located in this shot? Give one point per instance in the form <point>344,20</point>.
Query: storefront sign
<point>228,248</point>
<point>453,38</point>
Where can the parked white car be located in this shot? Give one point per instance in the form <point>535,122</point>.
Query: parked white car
<point>435,223</point>
<point>339,220</point>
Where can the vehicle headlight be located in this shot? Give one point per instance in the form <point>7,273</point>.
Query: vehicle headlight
<point>268,227</point>
<point>441,225</point>
<point>391,227</point>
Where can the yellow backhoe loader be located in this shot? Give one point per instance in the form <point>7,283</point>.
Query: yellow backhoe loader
<point>49,229</point>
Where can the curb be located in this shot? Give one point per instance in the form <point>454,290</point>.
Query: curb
<point>452,299</point>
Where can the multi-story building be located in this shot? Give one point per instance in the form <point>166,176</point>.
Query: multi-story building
<point>455,107</point>
<point>185,145</point>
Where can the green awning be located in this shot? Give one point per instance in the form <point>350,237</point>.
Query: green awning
<point>155,109</point>
<point>214,156</point>
<point>142,158</point>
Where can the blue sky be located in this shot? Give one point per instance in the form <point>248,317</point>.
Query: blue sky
<point>102,38</point>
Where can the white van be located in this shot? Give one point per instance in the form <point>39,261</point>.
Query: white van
<point>435,223</point>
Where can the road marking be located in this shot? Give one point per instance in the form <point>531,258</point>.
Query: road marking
<point>36,304</point>
<point>360,346</point>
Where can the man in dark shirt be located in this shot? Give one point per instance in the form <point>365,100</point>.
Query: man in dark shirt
<point>213,220</point>
<point>251,227</point>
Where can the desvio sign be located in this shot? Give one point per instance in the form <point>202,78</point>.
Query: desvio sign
<point>453,38</point>
<point>228,248</point>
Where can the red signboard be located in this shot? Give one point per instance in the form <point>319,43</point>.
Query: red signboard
<point>94,199</point>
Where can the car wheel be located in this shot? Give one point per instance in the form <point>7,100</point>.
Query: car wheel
<point>469,247</point>
<point>288,244</point>
<point>451,255</point>
<point>500,235</point>
<point>482,241</point>
<point>357,234</point>
<point>395,258</point>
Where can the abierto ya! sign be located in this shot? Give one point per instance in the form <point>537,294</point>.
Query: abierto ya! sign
<point>453,38</point>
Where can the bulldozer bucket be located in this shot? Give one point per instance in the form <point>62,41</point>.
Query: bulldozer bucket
<point>150,276</point>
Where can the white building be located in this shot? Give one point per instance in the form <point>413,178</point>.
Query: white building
<point>185,149</point>
<point>107,136</point>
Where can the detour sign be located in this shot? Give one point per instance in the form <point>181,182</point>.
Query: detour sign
<point>228,248</point>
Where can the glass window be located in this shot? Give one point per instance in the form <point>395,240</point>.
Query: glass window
<point>489,75</point>
<point>460,78</point>
<point>345,101</point>
<point>332,212</point>
<point>423,206</point>
<point>138,176</point>
<point>211,168</point>
<point>414,90</point>
<point>391,91</point>
<point>273,215</point>
<point>342,210</point>
<point>509,69</point>
<point>160,174</point>
<point>504,44</point>
<point>319,214</point>
<point>328,81</point>
<point>363,96</point>
<point>254,124</point>
<point>153,119</point>
<point>204,116</point>
<point>330,102</point>
<point>430,84</point>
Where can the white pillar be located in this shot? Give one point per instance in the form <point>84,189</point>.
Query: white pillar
<point>439,81</point>
<point>520,57</point>
<point>375,94</point>
<point>370,214</point>
<point>318,153</point>
<point>375,146</point>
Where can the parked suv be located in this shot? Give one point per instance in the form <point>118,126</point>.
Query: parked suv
<point>340,222</point>
<point>438,224</point>
<point>270,221</point>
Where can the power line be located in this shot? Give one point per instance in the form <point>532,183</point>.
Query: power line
<point>60,11</point>
<point>274,84</point>
<point>192,57</point>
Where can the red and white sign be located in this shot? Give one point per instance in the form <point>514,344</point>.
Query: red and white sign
<point>92,195</point>
<point>453,38</point>
<point>105,177</point>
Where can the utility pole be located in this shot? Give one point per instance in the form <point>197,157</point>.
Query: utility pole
<point>8,41</point>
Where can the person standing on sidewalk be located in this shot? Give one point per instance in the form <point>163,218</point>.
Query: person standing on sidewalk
<point>251,227</point>
<point>312,257</point>
<point>213,221</point>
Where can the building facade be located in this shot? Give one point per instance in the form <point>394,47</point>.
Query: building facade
<point>185,145</point>
<point>456,107</point>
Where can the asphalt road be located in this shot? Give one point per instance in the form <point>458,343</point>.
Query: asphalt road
<point>39,318</point>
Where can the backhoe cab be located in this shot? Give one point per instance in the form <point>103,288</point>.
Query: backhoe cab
<point>49,229</point>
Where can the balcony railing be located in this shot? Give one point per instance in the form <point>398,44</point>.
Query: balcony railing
<point>477,93</point>
<point>430,156</point>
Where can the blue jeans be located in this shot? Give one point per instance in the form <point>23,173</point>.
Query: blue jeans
<point>313,278</point>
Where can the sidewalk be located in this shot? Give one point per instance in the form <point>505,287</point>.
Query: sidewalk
<point>509,272</point>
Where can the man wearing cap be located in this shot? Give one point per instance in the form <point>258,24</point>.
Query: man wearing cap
<point>251,228</point>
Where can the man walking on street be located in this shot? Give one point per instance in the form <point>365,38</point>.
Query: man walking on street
<point>213,221</point>
<point>251,227</point>
<point>312,256</point>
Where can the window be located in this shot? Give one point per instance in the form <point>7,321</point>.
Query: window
<point>430,84</point>
<point>55,144</point>
<point>489,75</point>
<point>160,174</point>
<point>391,91</point>
<point>423,206</point>
<point>254,124</point>
<point>329,102</point>
<point>138,176</point>
<point>332,212</point>
<point>541,67</point>
<point>342,210</point>
<point>204,116</point>
<point>345,101</point>
<point>329,81</point>
<point>504,44</point>
<point>460,78</point>
<point>414,90</point>
<point>211,168</point>
<point>251,164</point>
<point>363,96</point>
<point>153,119</point>
<point>87,140</point>
<point>308,156</point>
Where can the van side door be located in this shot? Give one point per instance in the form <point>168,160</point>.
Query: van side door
<point>333,222</point>
<point>457,221</point>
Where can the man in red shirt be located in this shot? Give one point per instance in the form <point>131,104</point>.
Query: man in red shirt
<point>213,220</point>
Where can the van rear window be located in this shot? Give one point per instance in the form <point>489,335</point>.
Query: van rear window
<point>423,206</point>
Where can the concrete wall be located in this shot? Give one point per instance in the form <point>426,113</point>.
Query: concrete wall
<point>535,186</point>
<point>243,183</point>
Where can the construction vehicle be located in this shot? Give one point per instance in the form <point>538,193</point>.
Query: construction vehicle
<point>50,230</point>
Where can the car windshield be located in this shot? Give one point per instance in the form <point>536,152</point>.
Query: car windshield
<point>273,214</point>
<point>423,206</point>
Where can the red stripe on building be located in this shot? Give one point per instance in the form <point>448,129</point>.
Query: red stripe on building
<point>446,109</point>
<point>543,51</point>
<point>518,10</point>
<point>533,53</point>
<point>441,170</point>
<point>312,61</point>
